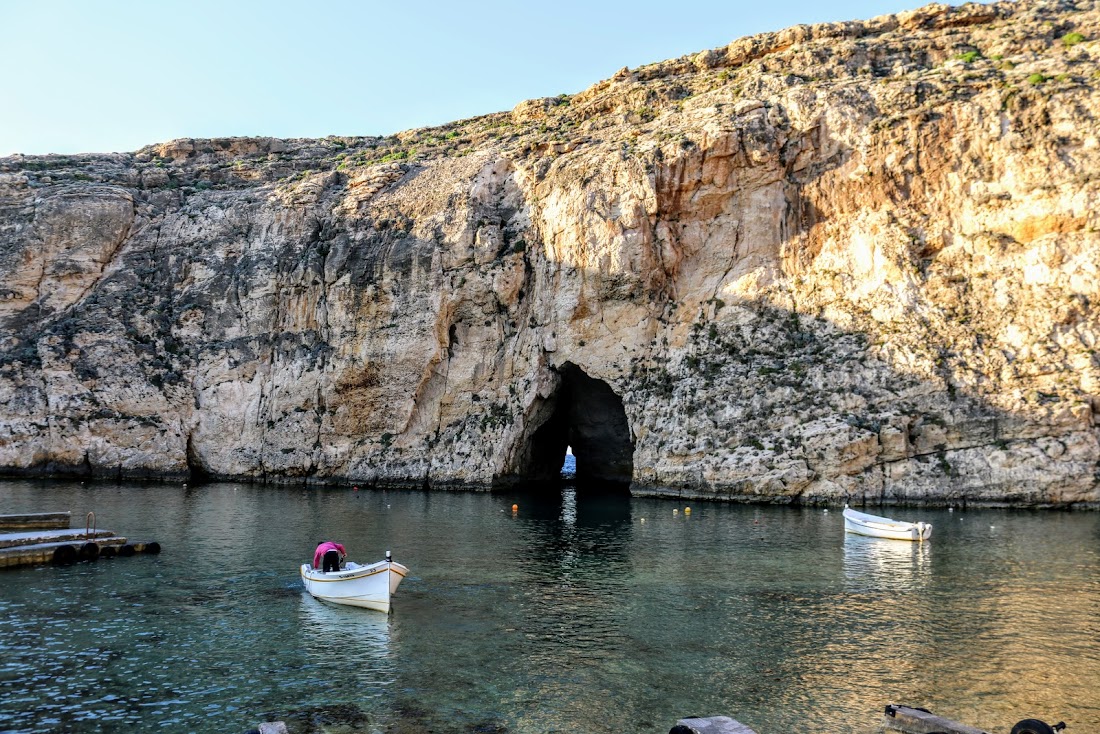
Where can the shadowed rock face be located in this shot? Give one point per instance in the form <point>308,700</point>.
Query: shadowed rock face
<point>587,415</point>
<point>839,262</point>
<point>598,431</point>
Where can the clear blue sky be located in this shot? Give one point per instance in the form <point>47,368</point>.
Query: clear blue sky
<point>114,75</point>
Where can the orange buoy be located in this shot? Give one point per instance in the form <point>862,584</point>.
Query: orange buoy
<point>515,508</point>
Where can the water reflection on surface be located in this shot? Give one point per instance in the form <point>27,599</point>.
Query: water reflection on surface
<point>899,566</point>
<point>573,613</point>
<point>359,640</point>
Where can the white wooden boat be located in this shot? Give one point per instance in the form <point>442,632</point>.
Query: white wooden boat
<point>874,526</point>
<point>369,586</point>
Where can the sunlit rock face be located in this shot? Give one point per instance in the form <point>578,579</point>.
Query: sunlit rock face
<point>841,262</point>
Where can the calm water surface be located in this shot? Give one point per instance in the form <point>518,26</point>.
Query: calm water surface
<point>572,614</point>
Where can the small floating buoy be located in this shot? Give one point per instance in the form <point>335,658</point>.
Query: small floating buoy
<point>676,512</point>
<point>515,508</point>
<point>755,522</point>
<point>687,510</point>
<point>826,510</point>
<point>643,519</point>
<point>356,487</point>
<point>950,509</point>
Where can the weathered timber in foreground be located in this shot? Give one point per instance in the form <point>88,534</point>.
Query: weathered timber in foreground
<point>918,721</point>
<point>904,719</point>
<point>710,725</point>
<point>35,521</point>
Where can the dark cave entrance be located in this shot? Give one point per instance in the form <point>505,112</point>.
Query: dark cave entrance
<point>586,415</point>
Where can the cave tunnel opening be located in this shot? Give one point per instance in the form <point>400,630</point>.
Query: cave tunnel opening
<point>584,417</point>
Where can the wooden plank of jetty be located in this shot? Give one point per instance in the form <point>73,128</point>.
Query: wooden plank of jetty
<point>35,521</point>
<point>69,535</point>
<point>918,721</point>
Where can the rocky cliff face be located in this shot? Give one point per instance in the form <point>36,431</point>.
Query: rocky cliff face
<point>854,260</point>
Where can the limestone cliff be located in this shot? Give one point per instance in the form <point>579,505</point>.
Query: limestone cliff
<point>847,260</point>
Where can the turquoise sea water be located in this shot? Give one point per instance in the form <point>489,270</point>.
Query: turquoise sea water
<point>571,614</point>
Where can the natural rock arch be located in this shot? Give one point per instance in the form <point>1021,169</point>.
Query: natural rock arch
<point>583,413</point>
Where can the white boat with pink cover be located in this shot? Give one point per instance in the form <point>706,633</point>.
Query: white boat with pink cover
<point>369,586</point>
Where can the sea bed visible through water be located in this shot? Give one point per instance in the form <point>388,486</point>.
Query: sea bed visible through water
<point>572,613</point>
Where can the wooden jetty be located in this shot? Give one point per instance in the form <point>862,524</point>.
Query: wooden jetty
<point>47,538</point>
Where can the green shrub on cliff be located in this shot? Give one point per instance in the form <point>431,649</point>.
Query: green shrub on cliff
<point>1072,39</point>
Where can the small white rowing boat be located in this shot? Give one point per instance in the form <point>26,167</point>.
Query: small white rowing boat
<point>368,586</point>
<point>861,523</point>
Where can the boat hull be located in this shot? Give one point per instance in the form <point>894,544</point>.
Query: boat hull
<point>369,587</point>
<point>874,526</point>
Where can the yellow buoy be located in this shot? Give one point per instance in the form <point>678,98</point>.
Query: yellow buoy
<point>687,510</point>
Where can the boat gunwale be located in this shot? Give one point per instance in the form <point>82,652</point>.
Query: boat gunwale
<point>867,517</point>
<point>884,525</point>
<point>877,520</point>
<point>363,572</point>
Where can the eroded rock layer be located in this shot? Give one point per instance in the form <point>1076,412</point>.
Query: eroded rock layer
<point>856,260</point>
